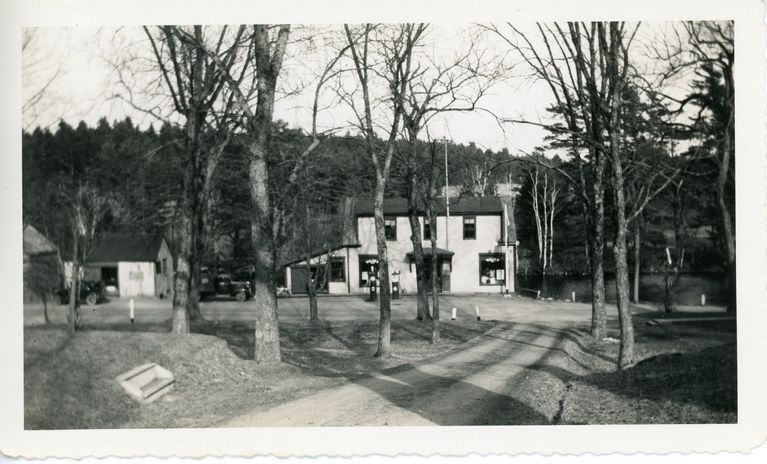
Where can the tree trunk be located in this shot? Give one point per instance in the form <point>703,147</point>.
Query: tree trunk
<point>195,281</point>
<point>551,223</point>
<point>44,297</point>
<point>267,332</point>
<point>545,264</point>
<point>314,314</point>
<point>182,276</point>
<point>420,267</point>
<point>73,295</point>
<point>626,353</point>
<point>637,250</point>
<point>311,290</point>
<point>596,245</point>
<point>384,329</point>
<point>435,329</point>
<point>536,213</point>
<point>726,217</point>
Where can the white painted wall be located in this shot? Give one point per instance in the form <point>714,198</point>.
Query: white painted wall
<point>465,271</point>
<point>136,279</point>
<point>333,287</point>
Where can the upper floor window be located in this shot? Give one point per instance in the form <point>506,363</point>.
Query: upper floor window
<point>469,227</point>
<point>426,229</point>
<point>390,225</point>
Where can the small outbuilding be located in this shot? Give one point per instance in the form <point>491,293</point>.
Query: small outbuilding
<point>137,265</point>
<point>43,270</point>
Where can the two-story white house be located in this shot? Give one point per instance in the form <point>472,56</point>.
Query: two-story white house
<point>476,248</point>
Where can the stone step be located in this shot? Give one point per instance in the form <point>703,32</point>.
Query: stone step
<point>143,376</point>
<point>147,382</point>
<point>156,388</point>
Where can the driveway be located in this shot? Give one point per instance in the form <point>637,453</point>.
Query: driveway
<point>502,377</point>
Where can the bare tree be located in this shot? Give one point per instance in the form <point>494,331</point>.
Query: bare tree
<point>384,52</point>
<point>587,68</point>
<point>87,208</point>
<point>41,68</point>
<point>431,174</point>
<point>435,87</point>
<point>266,46</point>
<point>197,90</point>
<point>706,49</point>
<point>316,234</point>
<point>566,58</point>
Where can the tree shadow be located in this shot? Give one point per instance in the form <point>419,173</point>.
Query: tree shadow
<point>449,401</point>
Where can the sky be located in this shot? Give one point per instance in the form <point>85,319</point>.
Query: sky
<point>79,66</point>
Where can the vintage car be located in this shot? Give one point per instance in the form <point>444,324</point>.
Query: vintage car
<point>223,284</point>
<point>91,292</point>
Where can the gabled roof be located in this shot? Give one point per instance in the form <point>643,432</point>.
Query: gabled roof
<point>126,248</point>
<point>36,243</point>
<point>458,206</point>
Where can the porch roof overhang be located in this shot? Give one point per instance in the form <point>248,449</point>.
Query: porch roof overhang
<point>427,251</point>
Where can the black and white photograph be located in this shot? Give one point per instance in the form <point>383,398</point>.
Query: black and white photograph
<point>258,225</point>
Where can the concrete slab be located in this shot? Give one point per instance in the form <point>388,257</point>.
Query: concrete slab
<point>147,382</point>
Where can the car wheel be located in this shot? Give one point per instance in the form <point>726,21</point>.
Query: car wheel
<point>92,299</point>
<point>241,296</point>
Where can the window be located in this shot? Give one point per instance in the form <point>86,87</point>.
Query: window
<point>469,227</point>
<point>368,267</point>
<point>337,270</point>
<point>390,225</point>
<point>157,267</point>
<point>426,229</point>
<point>492,269</point>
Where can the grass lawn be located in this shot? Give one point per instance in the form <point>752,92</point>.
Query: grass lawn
<point>69,381</point>
<point>686,373</point>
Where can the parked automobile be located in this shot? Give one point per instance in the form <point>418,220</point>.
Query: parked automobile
<point>91,292</point>
<point>223,284</point>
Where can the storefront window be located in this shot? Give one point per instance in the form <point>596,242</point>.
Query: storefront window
<point>492,269</point>
<point>368,267</point>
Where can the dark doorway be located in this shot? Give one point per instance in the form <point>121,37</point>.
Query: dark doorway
<point>109,276</point>
<point>443,276</point>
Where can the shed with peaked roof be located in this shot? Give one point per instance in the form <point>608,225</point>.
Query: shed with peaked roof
<point>135,264</point>
<point>42,265</point>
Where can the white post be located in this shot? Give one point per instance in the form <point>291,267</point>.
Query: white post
<point>476,310</point>
<point>454,311</point>
<point>703,299</point>
<point>131,310</point>
<point>538,295</point>
<point>573,297</point>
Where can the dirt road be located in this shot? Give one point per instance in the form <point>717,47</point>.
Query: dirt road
<point>497,378</point>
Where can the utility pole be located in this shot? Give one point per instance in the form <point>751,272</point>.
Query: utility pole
<point>447,199</point>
